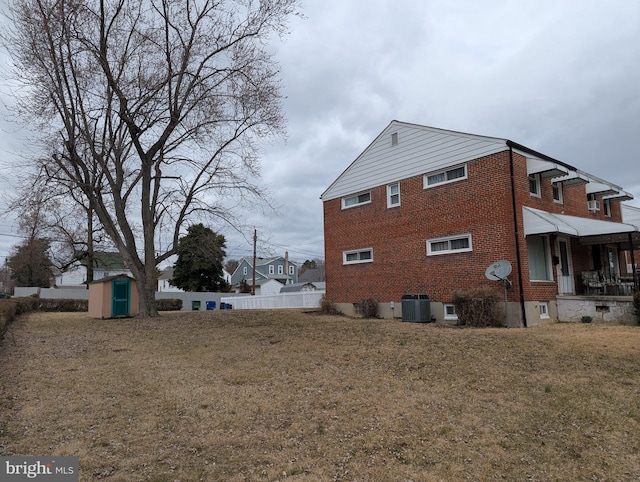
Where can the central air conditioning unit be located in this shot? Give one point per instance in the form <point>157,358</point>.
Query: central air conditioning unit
<point>593,205</point>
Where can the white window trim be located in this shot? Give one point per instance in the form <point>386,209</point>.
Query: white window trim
<point>449,251</point>
<point>244,270</point>
<point>272,269</point>
<point>344,199</point>
<point>280,269</point>
<point>560,200</point>
<point>292,270</point>
<point>389,203</point>
<point>358,261</point>
<point>544,310</point>
<point>425,178</point>
<point>536,177</point>
<point>448,316</point>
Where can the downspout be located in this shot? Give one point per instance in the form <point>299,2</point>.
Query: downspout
<point>516,231</point>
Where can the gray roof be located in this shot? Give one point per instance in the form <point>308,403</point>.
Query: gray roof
<point>312,275</point>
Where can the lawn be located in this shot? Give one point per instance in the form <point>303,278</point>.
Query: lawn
<point>285,395</point>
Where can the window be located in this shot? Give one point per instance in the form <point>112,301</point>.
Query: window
<point>557,191</point>
<point>394,139</point>
<point>539,258</point>
<point>534,185</point>
<point>356,200</point>
<point>271,269</point>
<point>606,207</point>
<point>454,244</point>
<point>280,269</point>
<point>450,312</point>
<point>445,176</point>
<point>244,270</point>
<point>544,310</point>
<point>393,195</point>
<point>292,270</point>
<point>357,256</point>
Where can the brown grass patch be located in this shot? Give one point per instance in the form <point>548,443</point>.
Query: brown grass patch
<point>241,395</point>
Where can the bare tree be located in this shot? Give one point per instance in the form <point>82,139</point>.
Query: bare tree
<point>158,106</point>
<point>61,214</point>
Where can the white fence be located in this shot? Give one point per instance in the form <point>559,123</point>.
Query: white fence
<point>303,299</point>
<point>54,293</point>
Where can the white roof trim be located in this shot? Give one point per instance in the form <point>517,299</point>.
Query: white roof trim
<point>572,179</point>
<point>542,222</point>
<point>546,169</point>
<point>621,196</point>
<point>601,189</point>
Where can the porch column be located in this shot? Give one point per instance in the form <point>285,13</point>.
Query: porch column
<point>633,264</point>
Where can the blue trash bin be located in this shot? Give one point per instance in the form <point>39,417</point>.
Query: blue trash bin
<point>211,305</point>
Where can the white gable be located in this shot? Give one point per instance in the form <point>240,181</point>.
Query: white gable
<point>419,149</point>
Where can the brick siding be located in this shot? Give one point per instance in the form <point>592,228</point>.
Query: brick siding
<point>480,205</point>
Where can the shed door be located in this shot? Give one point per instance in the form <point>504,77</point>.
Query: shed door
<point>120,290</point>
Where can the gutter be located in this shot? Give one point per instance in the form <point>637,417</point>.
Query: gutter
<point>516,231</point>
<point>519,147</point>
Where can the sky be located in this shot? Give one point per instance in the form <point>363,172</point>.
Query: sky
<point>558,76</point>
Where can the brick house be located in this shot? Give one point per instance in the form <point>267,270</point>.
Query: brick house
<point>426,210</point>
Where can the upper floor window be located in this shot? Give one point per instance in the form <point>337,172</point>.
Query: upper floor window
<point>557,191</point>
<point>534,185</point>
<point>393,195</point>
<point>357,256</point>
<point>271,269</point>
<point>292,270</point>
<point>445,176</point>
<point>280,269</point>
<point>356,200</point>
<point>606,207</point>
<point>453,244</point>
<point>244,270</point>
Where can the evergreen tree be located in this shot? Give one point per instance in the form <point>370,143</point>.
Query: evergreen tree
<point>30,264</point>
<point>200,256</point>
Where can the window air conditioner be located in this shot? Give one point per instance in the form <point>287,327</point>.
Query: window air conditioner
<point>593,205</point>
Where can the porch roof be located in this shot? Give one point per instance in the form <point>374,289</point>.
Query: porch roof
<point>590,231</point>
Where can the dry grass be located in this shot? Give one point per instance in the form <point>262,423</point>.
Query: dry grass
<point>232,395</point>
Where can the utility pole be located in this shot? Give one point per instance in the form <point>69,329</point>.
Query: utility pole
<point>253,283</point>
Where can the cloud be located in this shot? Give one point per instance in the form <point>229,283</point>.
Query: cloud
<point>560,77</point>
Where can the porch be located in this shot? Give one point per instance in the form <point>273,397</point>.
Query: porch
<point>588,257</point>
<point>617,310</point>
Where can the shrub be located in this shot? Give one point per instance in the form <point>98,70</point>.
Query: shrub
<point>478,307</point>
<point>172,304</point>
<point>8,312</point>
<point>368,308</point>
<point>328,307</point>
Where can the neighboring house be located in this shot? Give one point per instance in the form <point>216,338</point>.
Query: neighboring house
<point>312,275</point>
<point>277,268</point>
<point>427,211</point>
<point>104,264</point>
<point>164,281</point>
<point>303,286</point>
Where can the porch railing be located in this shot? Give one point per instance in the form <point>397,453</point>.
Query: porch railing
<point>594,283</point>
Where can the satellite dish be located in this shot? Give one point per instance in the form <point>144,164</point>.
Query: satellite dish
<point>499,270</point>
